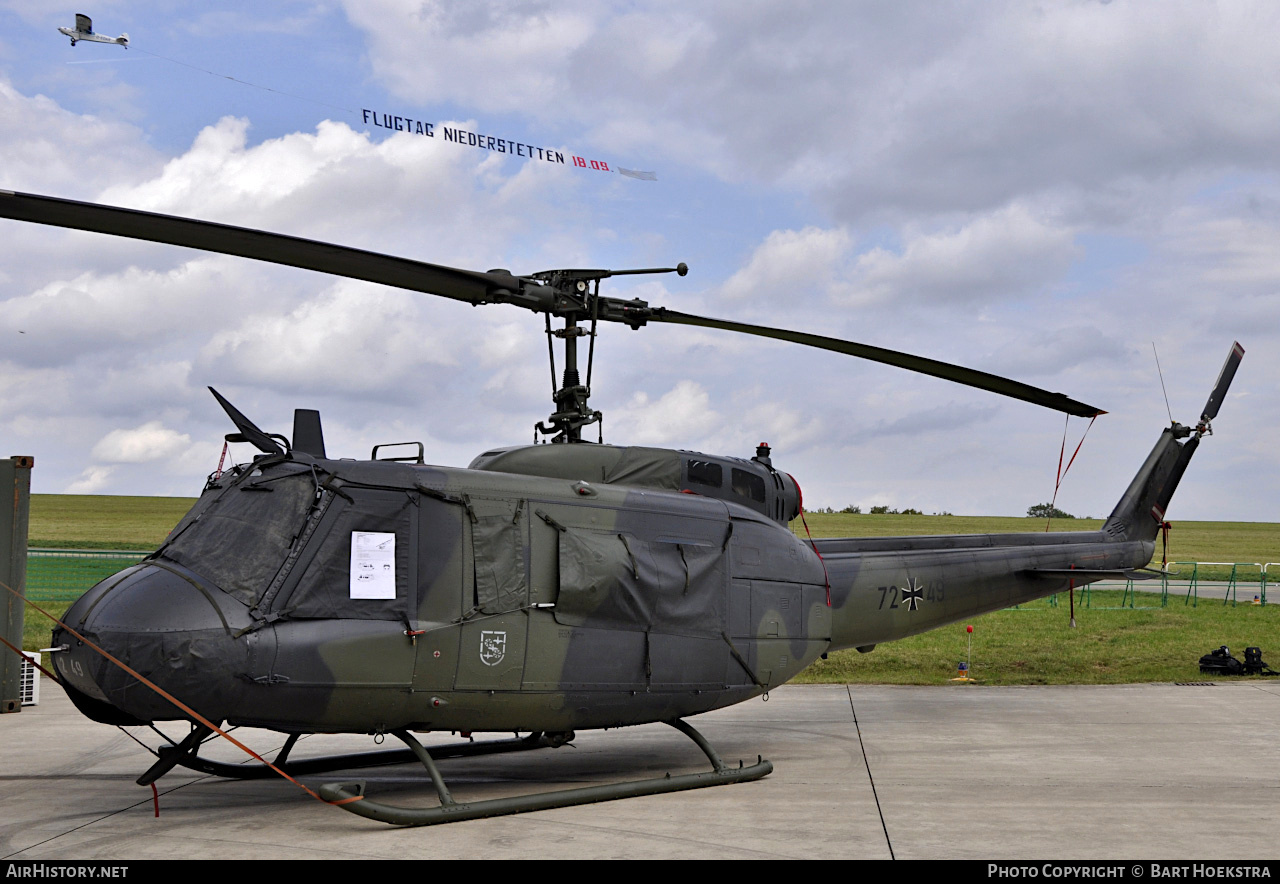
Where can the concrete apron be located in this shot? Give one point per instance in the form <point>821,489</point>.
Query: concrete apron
<point>957,771</point>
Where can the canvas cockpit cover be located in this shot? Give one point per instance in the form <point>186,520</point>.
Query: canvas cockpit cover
<point>654,467</point>
<point>497,546</point>
<point>617,580</point>
<point>238,537</point>
<point>324,588</point>
<point>278,540</point>
<point>613,465</point>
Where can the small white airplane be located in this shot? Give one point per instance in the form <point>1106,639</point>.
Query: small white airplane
<point>84,31</point>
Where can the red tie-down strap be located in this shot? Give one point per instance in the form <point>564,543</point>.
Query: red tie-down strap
<point>826,578</point>
<point>1062,473</point>
<point>1165,528</point>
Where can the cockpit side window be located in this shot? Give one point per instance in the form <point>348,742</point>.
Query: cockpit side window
<point>748,485</point>
<point>705,472</point>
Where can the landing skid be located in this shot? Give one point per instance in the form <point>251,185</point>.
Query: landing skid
<point>185,754</point>
<point>352,796</point>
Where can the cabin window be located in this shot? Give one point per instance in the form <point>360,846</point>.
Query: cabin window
<point>748,485</point>
<point>704,472</point>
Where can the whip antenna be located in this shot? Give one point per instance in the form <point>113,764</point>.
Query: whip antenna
<point>1162,388</point>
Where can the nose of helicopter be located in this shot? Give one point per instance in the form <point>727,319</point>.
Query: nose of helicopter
<point>166,624</point>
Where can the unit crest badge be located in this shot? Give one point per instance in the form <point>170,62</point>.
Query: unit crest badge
<point>493,647</point>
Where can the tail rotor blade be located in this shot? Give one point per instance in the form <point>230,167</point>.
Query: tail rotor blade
<point>1225,377</point>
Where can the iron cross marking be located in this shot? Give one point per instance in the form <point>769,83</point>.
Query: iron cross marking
<point>913,595</point>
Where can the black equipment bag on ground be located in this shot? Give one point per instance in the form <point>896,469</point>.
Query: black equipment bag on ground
<point>1220,662</point>
<point>1254,665</point>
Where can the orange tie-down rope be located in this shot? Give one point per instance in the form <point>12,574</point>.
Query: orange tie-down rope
<point>1062,474</point>
<point>826,578</point>
<point>174,700</point>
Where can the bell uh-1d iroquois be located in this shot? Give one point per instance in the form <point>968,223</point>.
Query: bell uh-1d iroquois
<point>544,589</point>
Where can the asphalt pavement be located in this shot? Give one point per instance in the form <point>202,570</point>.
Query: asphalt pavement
<point>1157,771</point>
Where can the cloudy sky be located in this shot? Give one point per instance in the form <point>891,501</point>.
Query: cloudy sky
<point>1039,190</point>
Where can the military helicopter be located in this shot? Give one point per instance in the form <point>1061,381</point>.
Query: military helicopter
<point>543,590</point>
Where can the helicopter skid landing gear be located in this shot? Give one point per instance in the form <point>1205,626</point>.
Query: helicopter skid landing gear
<point>184,755</point>
<point>450,811</point>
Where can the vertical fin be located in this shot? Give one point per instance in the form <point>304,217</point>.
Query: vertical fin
<point>1140,512</point>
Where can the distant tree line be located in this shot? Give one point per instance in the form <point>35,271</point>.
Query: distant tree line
<point>1047,511</point>
<point>877,511</point>
<point>1039,511</point>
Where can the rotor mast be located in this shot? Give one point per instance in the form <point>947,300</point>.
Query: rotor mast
<point>572,412</point>
<point>577,299</point>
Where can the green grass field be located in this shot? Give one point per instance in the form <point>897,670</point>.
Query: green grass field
<point>1029,645</point>
<point>1035,644</point>
<point>85,521</point>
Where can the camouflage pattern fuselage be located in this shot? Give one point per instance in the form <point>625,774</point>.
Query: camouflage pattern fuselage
<point>505,602</point>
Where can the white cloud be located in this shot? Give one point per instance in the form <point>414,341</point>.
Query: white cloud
<point>789,264</point>
<point>948,418</point>
<point>1231,252</point>
<point>785,429</point>
<point>353,339</point>
<point>97,311</point>
<point>489,55</point>
<point>149,442</point>
<point>1010,252</point>
<point>44,143</point>
<point>881,110</point>
<point>1032,190</point>
<point>993,257</point>
<point>683,412</point>
<point>220,172</point>
<point>94,480</point>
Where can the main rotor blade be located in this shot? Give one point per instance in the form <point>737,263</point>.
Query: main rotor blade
<point>1225,377</point>
<point>464,285</point>
<point>960,375</point>
<point>276,248</point>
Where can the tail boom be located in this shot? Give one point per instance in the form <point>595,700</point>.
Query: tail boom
<point>891,587</point>
<point>887,594</point>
